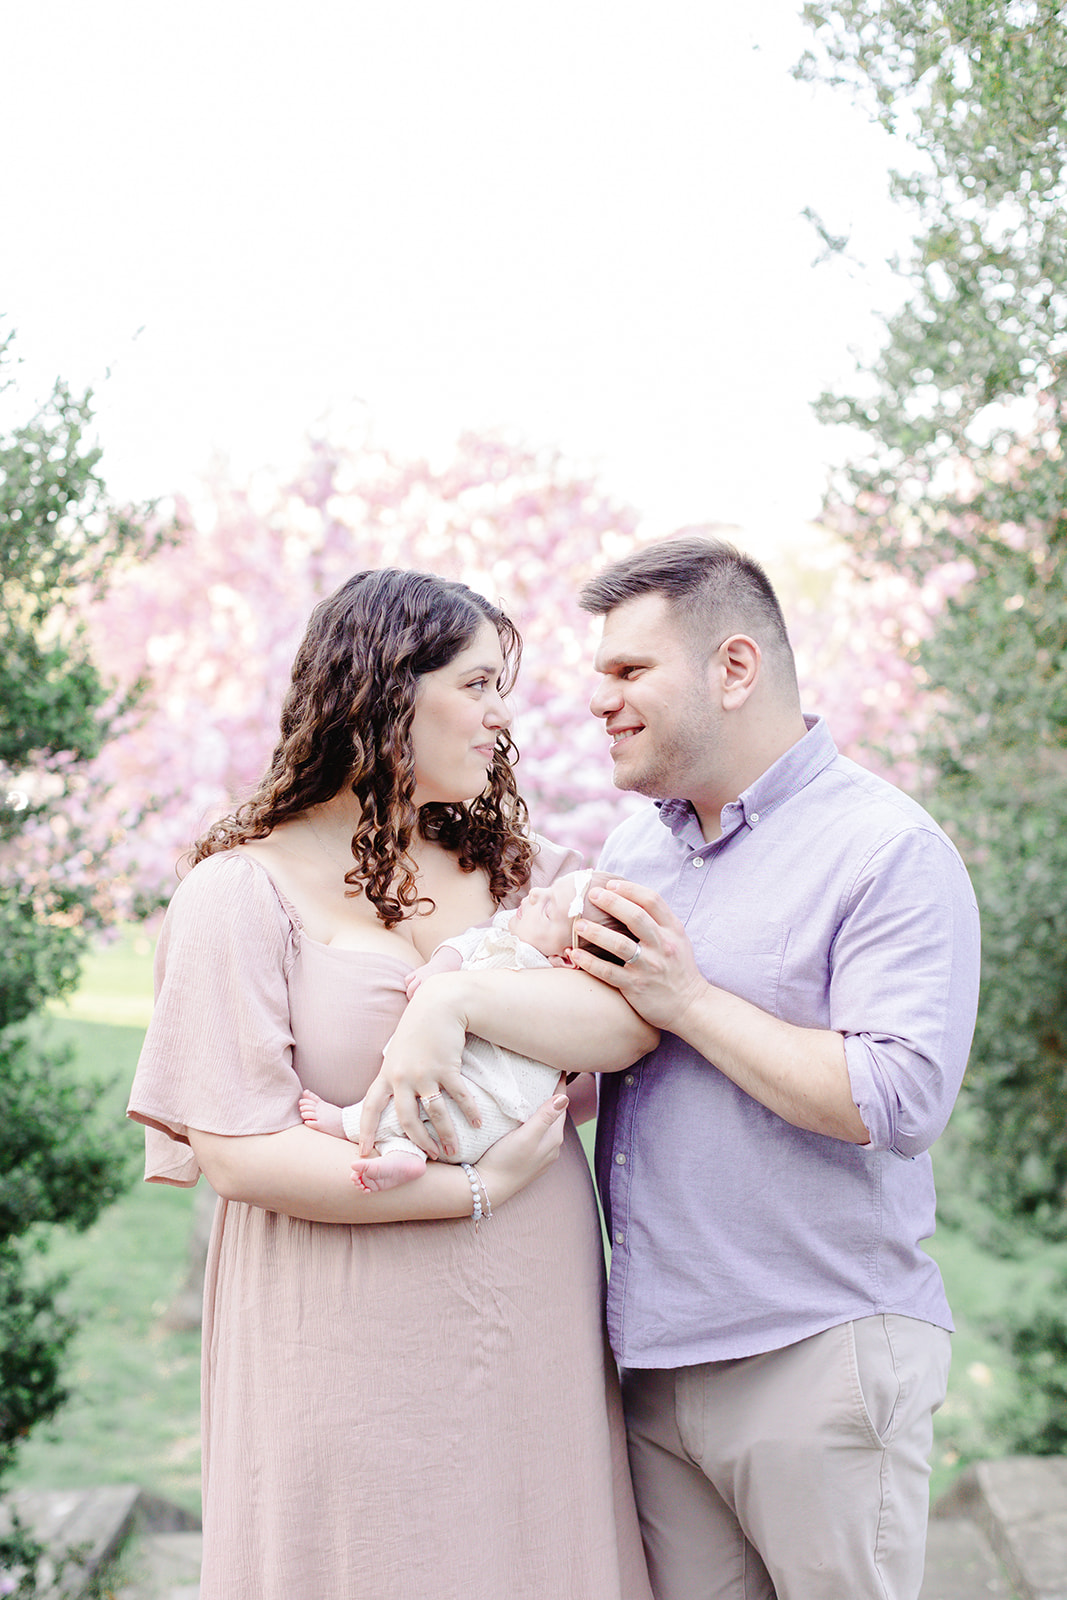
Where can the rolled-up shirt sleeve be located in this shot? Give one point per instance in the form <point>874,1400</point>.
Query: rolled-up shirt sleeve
<point>904,987</point>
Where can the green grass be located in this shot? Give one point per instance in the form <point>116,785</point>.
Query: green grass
<point>116,983</point>
<point>135,1407</point>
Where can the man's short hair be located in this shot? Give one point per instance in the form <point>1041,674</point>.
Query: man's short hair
<point>709,585</point>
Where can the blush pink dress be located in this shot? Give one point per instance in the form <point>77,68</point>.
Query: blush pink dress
<point>402,1410</point>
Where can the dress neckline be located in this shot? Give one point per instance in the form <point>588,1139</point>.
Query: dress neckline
<point>318,944</point>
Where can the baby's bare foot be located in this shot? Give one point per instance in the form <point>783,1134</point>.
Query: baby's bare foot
<point>388,1171</point>
<point>320,1114</point>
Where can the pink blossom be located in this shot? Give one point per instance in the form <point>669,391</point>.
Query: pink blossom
<point>211,624</point>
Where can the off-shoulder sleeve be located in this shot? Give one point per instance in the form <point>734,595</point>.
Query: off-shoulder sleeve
<point>218,1052</point>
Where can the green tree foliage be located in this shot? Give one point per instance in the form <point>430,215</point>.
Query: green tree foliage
<point>59,538</point>
<point>966,476</point>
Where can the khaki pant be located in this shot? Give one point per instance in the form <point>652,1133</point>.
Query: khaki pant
<point>802,1474</point>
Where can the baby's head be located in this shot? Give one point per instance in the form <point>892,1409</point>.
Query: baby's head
<point>546,917</point>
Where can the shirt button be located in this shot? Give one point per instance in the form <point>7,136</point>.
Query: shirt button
<point>629,1078</point>
<point>754,817</point>
<point>620,1160</point>
<point>698,861</point>
<point>620,1238</point>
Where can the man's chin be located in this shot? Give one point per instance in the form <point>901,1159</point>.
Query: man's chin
<point>635,782</point>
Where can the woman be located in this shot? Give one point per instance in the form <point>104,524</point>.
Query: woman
<point>414,1410</point>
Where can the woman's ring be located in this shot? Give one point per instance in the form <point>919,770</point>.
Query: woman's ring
<point>425,1099</point>
<point>634,956</point>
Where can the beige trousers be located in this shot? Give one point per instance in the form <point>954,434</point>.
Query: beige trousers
<point>802,1474</point>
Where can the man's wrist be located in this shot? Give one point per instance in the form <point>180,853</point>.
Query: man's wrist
<point>694,1020</point>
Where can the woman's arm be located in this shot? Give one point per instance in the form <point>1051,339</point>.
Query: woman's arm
<point>555,1015</point>
<point>302,1173</point>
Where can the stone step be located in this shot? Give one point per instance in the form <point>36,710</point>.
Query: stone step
<point>84,1530</point>
<point>960,1564</point>
<point>161,1566</point>
<point>1020,1503</point>
<point>999,1534</point>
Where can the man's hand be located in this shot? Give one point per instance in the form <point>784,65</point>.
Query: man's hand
<point>801,1074</point>
<point>660,978</point>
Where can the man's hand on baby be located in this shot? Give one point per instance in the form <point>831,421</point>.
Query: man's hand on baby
<point>659,975</point>
<point>444,960</point>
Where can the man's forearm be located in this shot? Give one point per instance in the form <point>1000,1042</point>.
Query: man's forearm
<point>799,1073</point>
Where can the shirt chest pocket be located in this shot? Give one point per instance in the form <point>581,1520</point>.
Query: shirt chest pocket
<point>743,953</point>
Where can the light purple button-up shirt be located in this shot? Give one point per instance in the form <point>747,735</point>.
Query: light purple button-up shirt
<point>831,900</point>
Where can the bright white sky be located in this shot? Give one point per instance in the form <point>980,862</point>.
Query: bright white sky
<point>579,220</point>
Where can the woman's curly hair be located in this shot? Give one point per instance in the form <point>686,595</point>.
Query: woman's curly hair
<point>346,722</point>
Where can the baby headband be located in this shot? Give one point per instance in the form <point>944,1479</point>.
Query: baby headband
<point>582,880</point>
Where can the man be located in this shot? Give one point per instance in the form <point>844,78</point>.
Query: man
<point>806,938</point>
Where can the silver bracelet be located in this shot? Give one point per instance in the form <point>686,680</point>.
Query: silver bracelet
<point>487,1211</point>
<point>472,1179</point>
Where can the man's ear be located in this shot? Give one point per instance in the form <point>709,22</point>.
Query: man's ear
<point>737,661</point>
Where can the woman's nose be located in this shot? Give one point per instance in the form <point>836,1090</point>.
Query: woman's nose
<point>497,713</point>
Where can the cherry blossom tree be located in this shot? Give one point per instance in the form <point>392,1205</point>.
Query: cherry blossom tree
<point>212,622</point>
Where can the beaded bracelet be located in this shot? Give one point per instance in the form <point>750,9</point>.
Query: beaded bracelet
<point>487,1210</point>
<point>472,1179</point>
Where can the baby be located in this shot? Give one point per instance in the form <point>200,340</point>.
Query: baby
<point>507,1087</point>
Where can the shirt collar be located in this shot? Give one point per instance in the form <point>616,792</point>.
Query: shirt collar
<point>792,772</point>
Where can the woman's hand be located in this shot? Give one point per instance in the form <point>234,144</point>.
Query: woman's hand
<point>522,1155</point>
<point>421,1064</point>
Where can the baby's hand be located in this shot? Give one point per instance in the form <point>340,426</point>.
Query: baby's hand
<point>414,979</point>
<point>446,959</point>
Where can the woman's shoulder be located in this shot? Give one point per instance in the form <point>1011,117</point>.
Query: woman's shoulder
<point>229,886</point>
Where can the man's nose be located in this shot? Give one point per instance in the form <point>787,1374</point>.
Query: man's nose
<point>605,698</point>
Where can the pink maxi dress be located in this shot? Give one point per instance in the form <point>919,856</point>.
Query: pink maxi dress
<point>401,1410</point>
